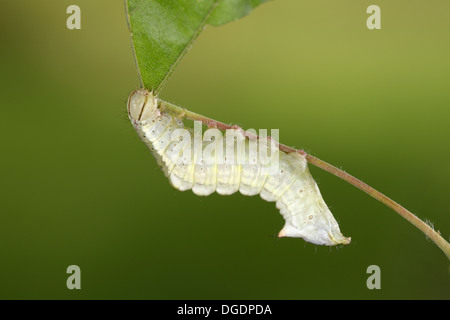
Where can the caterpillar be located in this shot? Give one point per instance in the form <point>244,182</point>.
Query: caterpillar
<point>206,166</point>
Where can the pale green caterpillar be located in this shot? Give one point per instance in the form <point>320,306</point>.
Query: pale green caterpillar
<point>208,168</point>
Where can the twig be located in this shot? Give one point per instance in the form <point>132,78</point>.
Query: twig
<point>418,223</point>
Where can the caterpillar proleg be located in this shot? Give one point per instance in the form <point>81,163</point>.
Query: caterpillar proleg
<point>214,164</point>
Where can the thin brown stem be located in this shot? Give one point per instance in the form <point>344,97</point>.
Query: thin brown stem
<point>418,223</point>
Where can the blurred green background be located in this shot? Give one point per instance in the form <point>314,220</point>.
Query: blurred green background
<point>78,186</point>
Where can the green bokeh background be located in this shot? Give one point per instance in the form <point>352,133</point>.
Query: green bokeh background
<point>78,186</point>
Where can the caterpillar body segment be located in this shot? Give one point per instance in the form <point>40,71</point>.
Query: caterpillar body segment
<point>206,167</point>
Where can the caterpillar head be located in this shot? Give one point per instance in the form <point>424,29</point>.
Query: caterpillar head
<point>142,105</point>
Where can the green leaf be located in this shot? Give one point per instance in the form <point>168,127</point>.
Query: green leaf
<point>230,10</point>
<point>162,31</point>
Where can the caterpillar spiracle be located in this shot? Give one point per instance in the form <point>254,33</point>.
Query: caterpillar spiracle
<point>291,186</point>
